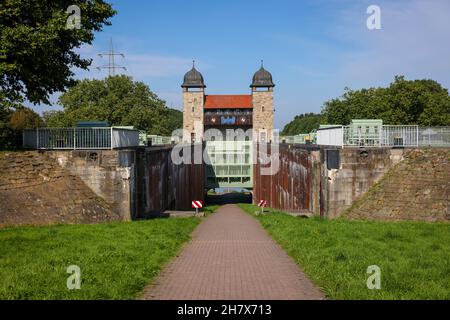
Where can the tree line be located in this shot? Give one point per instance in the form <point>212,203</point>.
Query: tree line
<point>37,59</point>
<point>404,102</point>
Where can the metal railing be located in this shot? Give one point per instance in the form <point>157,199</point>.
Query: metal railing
<point>400,136</point>
<point>163,140</point>
<point>385,136</point>
<point>434,137</point>
<point>80,138</point>
<point>303,138</point>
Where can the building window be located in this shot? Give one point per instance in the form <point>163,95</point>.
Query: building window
<point>192,137</point>
<point>262,108</point>
<point>193,109</point>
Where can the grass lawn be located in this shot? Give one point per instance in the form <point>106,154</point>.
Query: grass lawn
<point>414,257</point>
<point>117,260</point>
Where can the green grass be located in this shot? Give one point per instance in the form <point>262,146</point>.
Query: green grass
<point>414,257</point>
<point>117,260</point>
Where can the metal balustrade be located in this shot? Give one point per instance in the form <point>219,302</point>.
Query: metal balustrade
<point>384,136</point>
<point>80,138</point>
<point>434,137</point>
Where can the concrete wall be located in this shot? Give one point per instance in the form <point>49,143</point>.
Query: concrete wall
<point>358,171</point>
<point>102,171</point>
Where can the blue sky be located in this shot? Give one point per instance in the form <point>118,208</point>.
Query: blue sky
<point>313,48</point>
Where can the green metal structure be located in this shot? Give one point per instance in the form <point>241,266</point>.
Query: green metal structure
<point>302,138</point>
<point>229,164</point>
<point>366,132</point>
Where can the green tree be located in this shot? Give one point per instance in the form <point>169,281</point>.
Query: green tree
<point>24,118</point>
<point>174,120</point>
<point>421,102</point>
<point>55,119</point>
<point>37,48</point>
<point>118,100</point>
<point>303,123</point>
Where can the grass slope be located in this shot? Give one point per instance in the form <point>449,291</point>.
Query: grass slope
<point>117,260</point>
<point>414,257</point>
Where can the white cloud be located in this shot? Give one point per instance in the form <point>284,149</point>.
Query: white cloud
<point>139,66</point>
<point>414,41</point>
<point>142,66</point>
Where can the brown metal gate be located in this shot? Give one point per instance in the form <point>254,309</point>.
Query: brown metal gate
<point>290,187</point>
<point>163,185</point>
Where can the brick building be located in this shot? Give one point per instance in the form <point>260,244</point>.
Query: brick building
<point>221,112</point>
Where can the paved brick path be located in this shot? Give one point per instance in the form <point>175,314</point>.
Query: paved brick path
<point>232,257</point>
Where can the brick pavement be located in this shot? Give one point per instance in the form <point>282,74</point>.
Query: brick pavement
<point>231,256</point>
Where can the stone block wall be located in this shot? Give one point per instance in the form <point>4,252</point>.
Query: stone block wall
<point>193,102</point>
<point>34,189</point>
<point>262,114</point>
<point>357,172</point>
<point>417,188</point>
<point>103,173</point>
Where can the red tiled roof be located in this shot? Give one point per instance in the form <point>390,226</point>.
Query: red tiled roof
<point>236,101</point>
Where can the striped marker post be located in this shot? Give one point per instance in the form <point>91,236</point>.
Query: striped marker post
<point>262,204</point>
<point>197,204</point>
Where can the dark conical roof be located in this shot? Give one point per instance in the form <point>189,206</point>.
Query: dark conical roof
<point>193,79</point>
<point>262,78</point>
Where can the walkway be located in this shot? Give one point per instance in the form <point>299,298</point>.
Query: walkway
<point>232,257</point>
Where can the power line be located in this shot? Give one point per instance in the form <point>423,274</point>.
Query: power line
<point>111,66</point>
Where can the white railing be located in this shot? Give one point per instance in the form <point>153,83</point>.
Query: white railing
<point>80,138</point>
<point>434,137</point>
<point>163,140</point>
<point>354,136</point>
<point>385,136</point>
<point>400,136</point>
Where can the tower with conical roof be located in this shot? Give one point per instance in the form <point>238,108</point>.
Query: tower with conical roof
<point>193,101</point>
<point>262,102</point>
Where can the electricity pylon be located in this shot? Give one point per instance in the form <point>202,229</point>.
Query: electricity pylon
<point>111,66</point>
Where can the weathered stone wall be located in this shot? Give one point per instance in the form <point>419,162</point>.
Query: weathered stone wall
<point>193,102</point>
<point>34,189</point>
<point>417,188</point>
<point>102,171</point>
<point>262,114</point>
<point>357,172</point>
